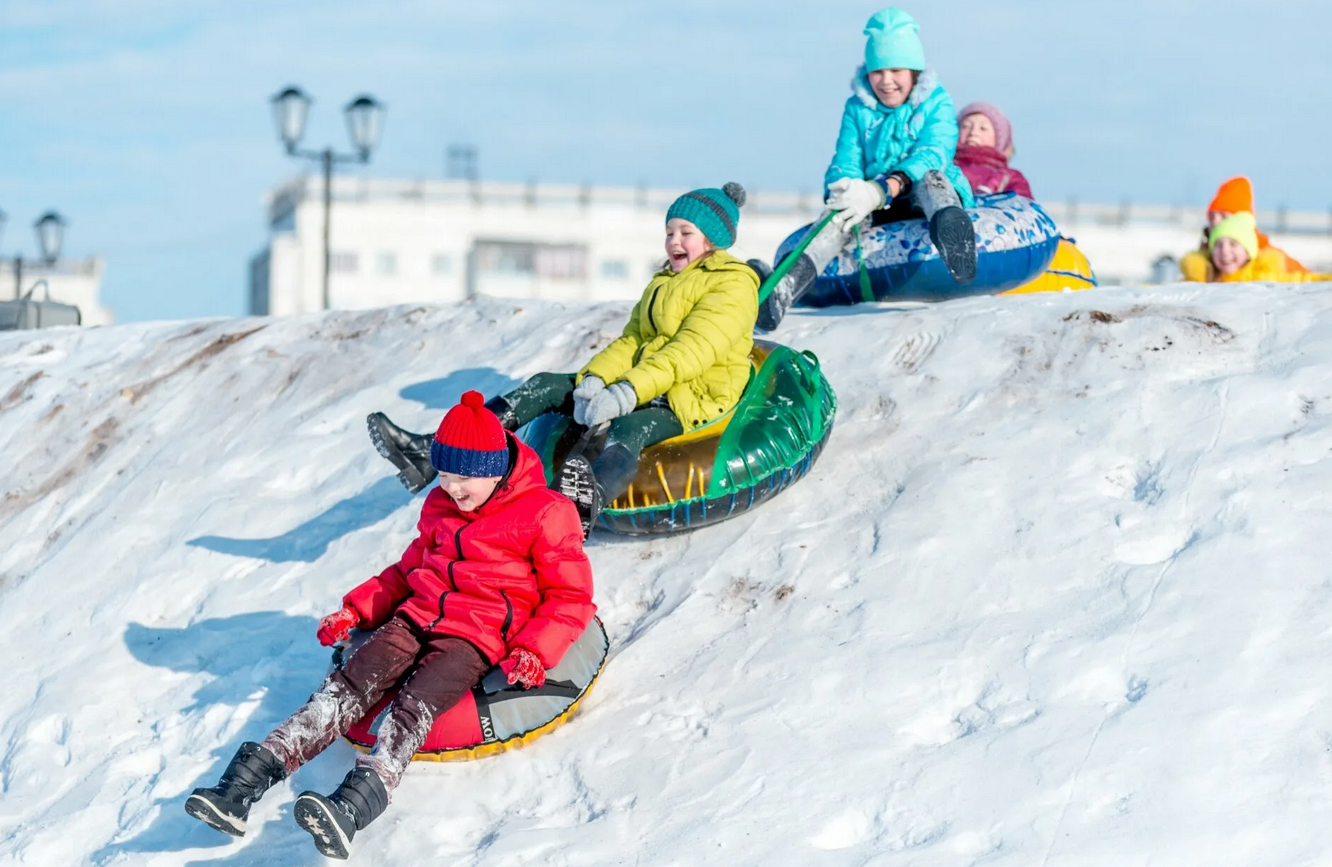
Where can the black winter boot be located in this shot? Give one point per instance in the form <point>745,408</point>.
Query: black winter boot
<point>409,452</point>
<point>955,239</point>
<point>575,481</point>
<point>334,820</point>
<point>508,419</point>
<point>761,268</point>
<point>226,806</point>
<point>787,292</point>
<point>614,470</point>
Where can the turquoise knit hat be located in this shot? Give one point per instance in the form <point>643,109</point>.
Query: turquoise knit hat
<point>894,42</point>
<point>715,212</point>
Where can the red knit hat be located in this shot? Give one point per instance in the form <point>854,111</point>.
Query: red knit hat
<point>470,441</point>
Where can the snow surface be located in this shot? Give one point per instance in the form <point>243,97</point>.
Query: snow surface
<point>1056,594</point>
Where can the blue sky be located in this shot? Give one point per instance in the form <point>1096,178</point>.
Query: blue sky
<point>145,122</point>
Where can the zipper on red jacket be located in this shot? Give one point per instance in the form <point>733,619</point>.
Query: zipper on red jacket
<point>508,616</point>
<point>453,585</point>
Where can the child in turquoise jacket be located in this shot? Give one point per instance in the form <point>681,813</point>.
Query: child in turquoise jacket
<point>894,161</point>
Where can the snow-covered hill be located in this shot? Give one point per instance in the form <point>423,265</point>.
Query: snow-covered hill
<point>1057,593</point>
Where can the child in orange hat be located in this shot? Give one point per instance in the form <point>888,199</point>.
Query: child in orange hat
<point>1236,256</point>
<point>1234,196</point>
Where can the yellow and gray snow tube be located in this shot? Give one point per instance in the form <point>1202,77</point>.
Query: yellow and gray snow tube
<point>497,716</point>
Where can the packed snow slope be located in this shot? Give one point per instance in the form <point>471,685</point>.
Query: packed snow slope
<point>1057,593</point>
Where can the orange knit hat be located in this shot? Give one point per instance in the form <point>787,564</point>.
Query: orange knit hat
<point>1233,196</point>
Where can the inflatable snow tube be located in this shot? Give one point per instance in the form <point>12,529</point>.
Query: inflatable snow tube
<point>1015,241</point>
<point>1069,270</point>
<point>497,716</point>
<point>764,445</point>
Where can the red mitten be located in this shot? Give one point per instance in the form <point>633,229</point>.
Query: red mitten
<point>337,626</point>
<point>523,666</point>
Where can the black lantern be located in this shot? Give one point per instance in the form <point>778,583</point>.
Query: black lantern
<point>290,107</point>
<point>50,228</point>
<point>364,117</point>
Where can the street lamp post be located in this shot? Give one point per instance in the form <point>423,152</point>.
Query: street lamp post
<point>50,230</point>
<point>364,118</point>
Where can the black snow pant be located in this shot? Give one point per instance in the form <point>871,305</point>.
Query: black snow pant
<point>442,669</point>
<point>628,435</point>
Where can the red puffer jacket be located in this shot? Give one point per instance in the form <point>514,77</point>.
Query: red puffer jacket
<point>987,170</point>
<point>511,573</point>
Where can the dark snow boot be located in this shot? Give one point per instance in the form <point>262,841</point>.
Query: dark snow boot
<point>787,292</point>
<point>334,820</point>
<point>409,452</point>
<point>575,481</point>
<point>761,268</point>
<point>613,471</point>
<point>955,239</point>
<point>226,806</point>
<point>508,419</point>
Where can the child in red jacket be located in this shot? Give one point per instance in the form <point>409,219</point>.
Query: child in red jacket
<point>984,147</point>
<point>497,575</point>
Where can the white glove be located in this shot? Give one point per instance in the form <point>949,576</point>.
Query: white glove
<point>616,400</point>
<point>853,200</point>
<point>583,393</point>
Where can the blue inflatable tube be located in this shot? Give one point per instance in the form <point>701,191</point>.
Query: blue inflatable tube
<point>1015,241</point>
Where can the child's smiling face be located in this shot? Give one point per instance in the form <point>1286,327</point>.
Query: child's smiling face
<point>892,86</point>
<point>468,492</point>
<point>1229,255</point>
<point>685,244</point>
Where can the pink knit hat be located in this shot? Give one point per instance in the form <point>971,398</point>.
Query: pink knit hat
<point>1003,130</point>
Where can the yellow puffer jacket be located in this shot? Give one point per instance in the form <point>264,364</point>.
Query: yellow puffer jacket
<point>1271,265</point>
<point>688,338</point>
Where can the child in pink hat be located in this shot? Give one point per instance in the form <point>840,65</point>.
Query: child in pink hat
<point>984,146</point>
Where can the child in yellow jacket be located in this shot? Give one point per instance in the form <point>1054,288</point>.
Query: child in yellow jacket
<point>1234,196</point>
<point>681,362</point>
<point>1237,257</point>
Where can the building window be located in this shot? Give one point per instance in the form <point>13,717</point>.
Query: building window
<point>523,259</point>
<point>386,264</point>
<point>343,263</point>
<point>441,264</point>
<point>614,269</point>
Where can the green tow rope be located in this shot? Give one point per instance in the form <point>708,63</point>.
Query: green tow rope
<point>789,262</point>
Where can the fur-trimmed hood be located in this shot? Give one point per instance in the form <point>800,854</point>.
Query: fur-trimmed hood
<point>860,87</point>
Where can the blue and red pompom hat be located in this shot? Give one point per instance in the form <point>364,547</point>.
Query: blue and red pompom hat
<point>470,441</point>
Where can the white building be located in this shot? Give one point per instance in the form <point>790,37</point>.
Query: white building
<point>69,281</point>
<point>395,242</point>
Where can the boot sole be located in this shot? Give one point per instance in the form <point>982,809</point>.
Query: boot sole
<point>203,810</point>
<point>955,239</point>
<point>315,817</point>
<point>408,474</point>
<point>575,481</point>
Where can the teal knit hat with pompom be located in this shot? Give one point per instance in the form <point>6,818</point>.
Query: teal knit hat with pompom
<point>715,212</point>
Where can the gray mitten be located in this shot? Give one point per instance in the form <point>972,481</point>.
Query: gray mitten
<point>616,400</point>
<point>591,385</point>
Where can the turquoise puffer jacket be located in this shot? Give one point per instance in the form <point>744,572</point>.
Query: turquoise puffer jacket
<point>913,139</point>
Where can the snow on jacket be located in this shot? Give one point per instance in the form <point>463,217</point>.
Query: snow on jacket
<point>509,574</point>
<point>988,171</point>
<point>1196,265</point>
<point>914,138</point>
<point>689,339</point>
<point>1271,266</point>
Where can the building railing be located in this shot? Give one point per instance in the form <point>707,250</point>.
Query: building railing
<point>89,267</point>
<point>1068,214</point>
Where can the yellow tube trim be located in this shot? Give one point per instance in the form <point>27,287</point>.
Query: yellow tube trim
<point>661,476</point>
